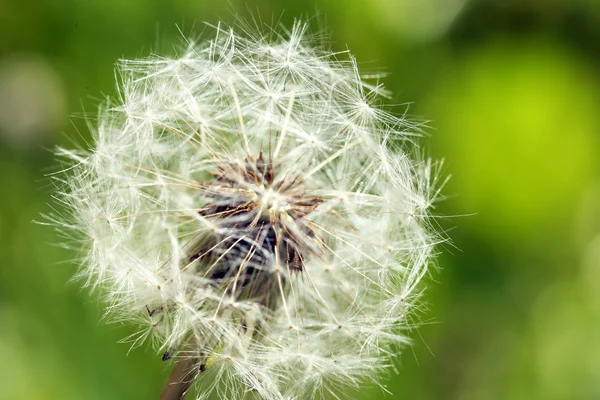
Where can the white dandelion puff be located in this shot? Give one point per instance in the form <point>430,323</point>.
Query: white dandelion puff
<point>257,213</point>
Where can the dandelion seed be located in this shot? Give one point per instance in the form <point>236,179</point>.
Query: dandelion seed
<point>255,212</point>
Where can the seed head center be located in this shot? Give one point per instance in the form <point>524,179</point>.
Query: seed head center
<point>274,201</point>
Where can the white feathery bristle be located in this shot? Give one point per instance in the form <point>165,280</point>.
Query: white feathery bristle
<point>252,207</point>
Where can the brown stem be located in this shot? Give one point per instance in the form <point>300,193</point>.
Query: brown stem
<point>180,380</point>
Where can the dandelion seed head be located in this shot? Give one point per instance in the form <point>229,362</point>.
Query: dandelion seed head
<point>252,206</point>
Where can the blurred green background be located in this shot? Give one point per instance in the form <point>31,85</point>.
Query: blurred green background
<point>512,90</point>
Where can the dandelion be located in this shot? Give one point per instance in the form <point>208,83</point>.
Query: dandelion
<point>257,213</point>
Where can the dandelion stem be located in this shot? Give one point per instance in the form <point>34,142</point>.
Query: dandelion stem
<point>180,380</point>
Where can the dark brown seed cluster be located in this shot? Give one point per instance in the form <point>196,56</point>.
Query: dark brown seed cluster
<point>263,230</point>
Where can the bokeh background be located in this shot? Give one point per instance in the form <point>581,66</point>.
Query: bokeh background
<point>512,92</point>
